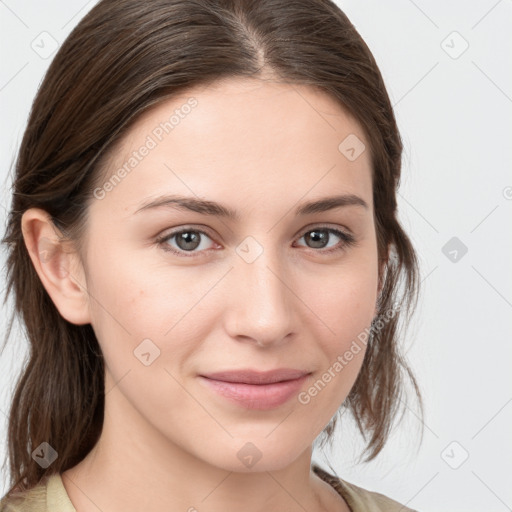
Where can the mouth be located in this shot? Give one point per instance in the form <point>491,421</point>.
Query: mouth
<point>253,389</point>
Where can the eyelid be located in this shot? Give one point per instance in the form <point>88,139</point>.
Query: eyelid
<point>162,238</point>
<point>335,227</point>
<point>348,239</point>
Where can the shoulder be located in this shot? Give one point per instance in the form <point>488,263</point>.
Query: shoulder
<point>372,501</point>
<point>49,495</point>
<point>359,499</point>
<point>31,500</point>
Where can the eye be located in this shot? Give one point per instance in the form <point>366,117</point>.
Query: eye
<point>187,240</point>
<point>319,237</point>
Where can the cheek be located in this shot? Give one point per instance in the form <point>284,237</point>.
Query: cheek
<point>343,302</point>
<point>346,308</point>
<point>344,298</point>
<point>133,301</point>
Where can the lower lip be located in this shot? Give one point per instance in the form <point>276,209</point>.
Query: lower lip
<point>257,396</point>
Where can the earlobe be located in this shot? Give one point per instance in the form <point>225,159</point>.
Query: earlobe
<point>57,265</point>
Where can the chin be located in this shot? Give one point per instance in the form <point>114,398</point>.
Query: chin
<point>251,454</point>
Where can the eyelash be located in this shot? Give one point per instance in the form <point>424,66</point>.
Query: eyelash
<point>348,240</point>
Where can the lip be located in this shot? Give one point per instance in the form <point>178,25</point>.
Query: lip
<point>254,389</point>
<point>249,376</point>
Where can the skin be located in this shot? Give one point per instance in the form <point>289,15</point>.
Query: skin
<point>261,148</point>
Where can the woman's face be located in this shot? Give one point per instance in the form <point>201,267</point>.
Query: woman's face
<point>267,288</point>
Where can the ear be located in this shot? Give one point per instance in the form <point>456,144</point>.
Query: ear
<point>57,264</point>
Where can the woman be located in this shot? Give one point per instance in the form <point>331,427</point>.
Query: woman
<point>205,251</point>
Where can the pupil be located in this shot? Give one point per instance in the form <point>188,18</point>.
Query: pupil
<point>189,238</point>
<point>318,238</point>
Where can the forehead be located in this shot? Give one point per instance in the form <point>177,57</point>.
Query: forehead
<point>259,140</point>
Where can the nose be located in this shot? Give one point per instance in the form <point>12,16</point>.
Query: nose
<point>261,306</point>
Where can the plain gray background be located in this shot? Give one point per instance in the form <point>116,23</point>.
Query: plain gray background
<point>448,69</point>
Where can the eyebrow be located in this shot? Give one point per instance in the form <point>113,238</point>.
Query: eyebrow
<point>218,210</point>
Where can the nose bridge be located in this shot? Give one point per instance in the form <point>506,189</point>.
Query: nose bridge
<point>261,305</point>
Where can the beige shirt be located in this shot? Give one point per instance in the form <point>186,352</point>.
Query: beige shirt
<point>50,496</point>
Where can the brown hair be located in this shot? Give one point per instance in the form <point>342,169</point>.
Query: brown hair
<point>122,58</point>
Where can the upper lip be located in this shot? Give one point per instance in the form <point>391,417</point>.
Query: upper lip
<point>248,376</point>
